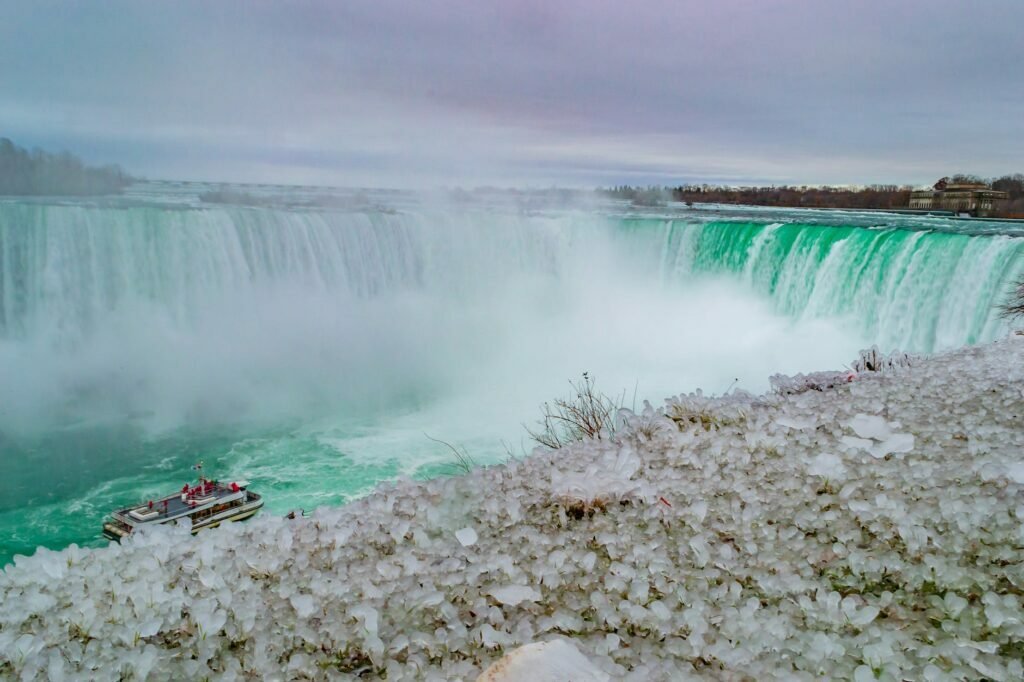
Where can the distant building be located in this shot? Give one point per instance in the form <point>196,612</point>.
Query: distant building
<point>974,198</point>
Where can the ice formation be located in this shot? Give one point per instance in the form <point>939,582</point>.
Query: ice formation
<point>869,529</point>
<point>873,360</point>
<point>815,381</point>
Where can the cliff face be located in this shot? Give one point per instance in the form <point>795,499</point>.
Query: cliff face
<point>868,526</point>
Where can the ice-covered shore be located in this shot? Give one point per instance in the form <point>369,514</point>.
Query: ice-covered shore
<point>872,529</point>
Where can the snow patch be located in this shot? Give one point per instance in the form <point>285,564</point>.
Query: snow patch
<point>555,661</point>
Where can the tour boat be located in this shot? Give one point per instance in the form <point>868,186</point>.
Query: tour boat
<point>207,505</point>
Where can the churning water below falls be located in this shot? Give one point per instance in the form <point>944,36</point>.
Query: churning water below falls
<point>316,352</point>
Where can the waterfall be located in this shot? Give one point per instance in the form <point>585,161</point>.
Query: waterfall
<point>67,267</point>
<point>204,313</point>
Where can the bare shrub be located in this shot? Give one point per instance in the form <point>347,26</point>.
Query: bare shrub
<point>587,414</point>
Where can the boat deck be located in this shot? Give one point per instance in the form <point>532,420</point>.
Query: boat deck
<point>207,505</point>
<point>141,513</point>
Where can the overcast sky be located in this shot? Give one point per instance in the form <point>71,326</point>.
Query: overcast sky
<point>521,92</point>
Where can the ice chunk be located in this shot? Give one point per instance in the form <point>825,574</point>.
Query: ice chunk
<point>826,465</point>
<point>303,605</point>
<point>701,551</point>
<point>492,638</point>
<point>954,604</point>
<point>863,673</point>
<point>853,442</point>
<point>876,435</point>
<point>896,443</point>
<point>797,424</point>
<point>515,594</point>
<point>555,661</point>
<point>870,426</point>
<point>149,627</point>
<point>699,509</point>
<point>865,616</point>
<point>659,609</point>
<point>52,563</point>
<point>1015,472</point>
<point>55,667</point>
<point>368,616</point>
<point>611,479</point>
<point>466,537</point>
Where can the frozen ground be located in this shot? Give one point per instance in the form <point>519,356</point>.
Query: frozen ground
<point>872,529</point>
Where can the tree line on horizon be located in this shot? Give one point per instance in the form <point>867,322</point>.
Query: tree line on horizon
<point>786,196</point>
<point>36,172</point>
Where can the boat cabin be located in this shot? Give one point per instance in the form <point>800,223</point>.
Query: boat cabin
<point>206,505</point>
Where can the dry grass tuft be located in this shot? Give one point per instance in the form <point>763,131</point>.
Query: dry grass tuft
<point>464,463</point>
<point>587,414</point>
<point>685,417</point>
<point>577,509</point>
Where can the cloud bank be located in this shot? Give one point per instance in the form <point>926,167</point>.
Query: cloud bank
<point>404,93</point>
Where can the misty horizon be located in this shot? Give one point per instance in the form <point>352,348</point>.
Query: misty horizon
<point>128,178</point>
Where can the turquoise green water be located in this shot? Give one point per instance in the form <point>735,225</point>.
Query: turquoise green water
<point>907,289</point>
<point>316,353</point>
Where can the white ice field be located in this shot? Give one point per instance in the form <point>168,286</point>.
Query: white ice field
<point>869,530</point>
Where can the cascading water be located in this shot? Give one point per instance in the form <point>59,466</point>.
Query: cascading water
<point>311,351</point>
<point>912,290</point>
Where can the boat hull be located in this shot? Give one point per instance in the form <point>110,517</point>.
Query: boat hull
<point>242,512</point>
